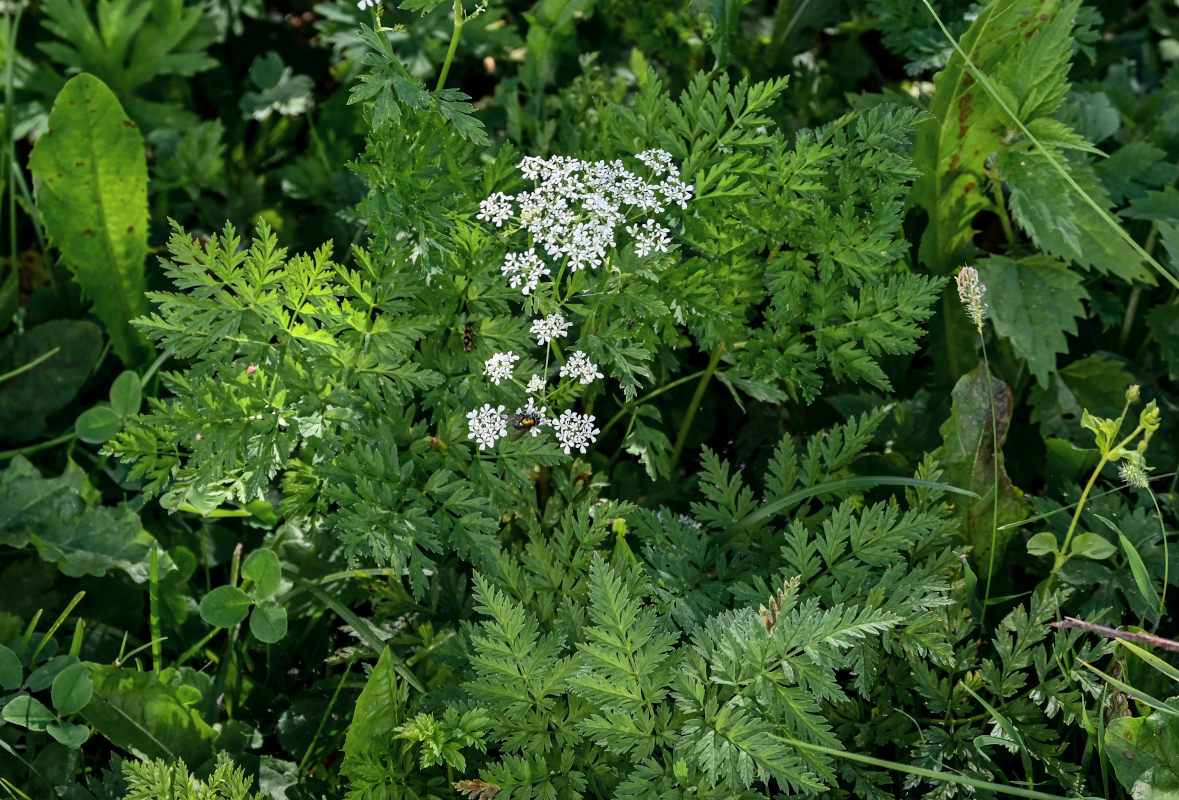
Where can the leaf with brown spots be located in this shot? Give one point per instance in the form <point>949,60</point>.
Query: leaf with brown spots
<point>90,176</point>
<point>1023,47</point>
<point>981,410</point>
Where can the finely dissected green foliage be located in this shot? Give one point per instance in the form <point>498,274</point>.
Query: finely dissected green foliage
<point>164,780</point>
<point>593,676</point>
<point>304,370</point>
<point>579,441</point>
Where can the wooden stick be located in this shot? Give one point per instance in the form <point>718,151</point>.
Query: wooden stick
<point>1113,633</point>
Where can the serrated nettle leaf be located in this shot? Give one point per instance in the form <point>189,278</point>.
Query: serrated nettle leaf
<point>60,519</point>
<point>1043,543</point>
<point>90,175</point>
<point>1029,70</point>
<point>1092,545</point>
<point>1033,303</point>
<point>225,606</point>
<point>1061,224</point>
<point>263,568</point>
<point>27,399</point>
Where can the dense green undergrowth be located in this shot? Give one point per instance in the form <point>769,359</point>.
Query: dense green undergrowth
<point>723,399</point>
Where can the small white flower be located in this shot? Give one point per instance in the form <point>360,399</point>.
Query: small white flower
<point>579,366</point>
<point>363,4</point>
<point>536,385</point>
<point>551,327</point>
<point>676,191</point>
<point>524,271</point>
<point>575,430</point>
<point>658,161</point>
<point>652,237</point>
<point>486,425</point>
<point>499,366</point>
<point>496,209</point>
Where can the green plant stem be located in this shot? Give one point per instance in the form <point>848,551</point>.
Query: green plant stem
<point>192,651</point>
<point>1166,554</point>
<point>1060,557</point>
<point>459,21</point>
<point>629,407</point>
<point>925,773</point>
<point>26,367</point>
<point>10,145</point>
<point>1001,204</point>
<point>694,405</point>
<point>324,718</point>
<point>33,448</point>
<point>153,602</point>
<point>1128,317</point>
<point>1045,515</point>
<point>994,478</point>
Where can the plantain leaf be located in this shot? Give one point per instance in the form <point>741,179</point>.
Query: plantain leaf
<point>90,176</point>
<point>1145,754</point>
<point>982,406</point>
<point>147,714</point>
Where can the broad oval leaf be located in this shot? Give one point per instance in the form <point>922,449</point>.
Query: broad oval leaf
<point>68,734</point>
<point>72,689</point>
<point>269,622</point>
<point>97,425</point>
<point>1093,545</point>
<point>28,712</point>
<point>225,606</point>
<point>263,568</point>
<point>90,176</point>
<point>11,672</point>
<point>126,394</point>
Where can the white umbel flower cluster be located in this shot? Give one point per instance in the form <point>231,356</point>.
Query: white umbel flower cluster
<point>580,367</point>
<point>575,210</point>
<point>549,328</point>
<point>524,271</point>
<point>499,367</point>
<point>573,218</point>
<point>651,237</point>
<point>486,425</point>
<point>575,430</point>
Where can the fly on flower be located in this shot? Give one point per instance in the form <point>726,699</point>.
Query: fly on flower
<point>529,418</point>
<point>523,422</point>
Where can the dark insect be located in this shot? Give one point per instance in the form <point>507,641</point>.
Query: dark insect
<point>523,422</point>
<point>469,337</point>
